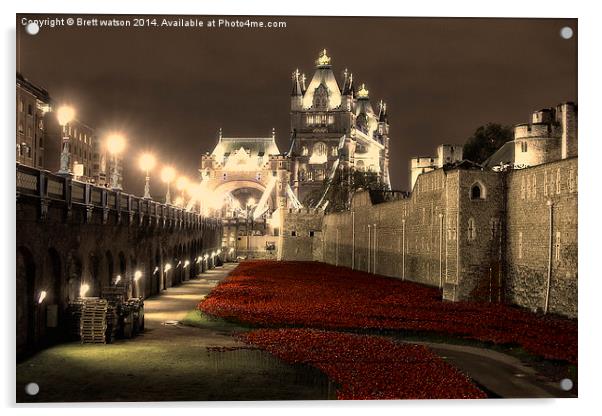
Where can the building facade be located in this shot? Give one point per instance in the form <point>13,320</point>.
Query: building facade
<point>33,102</point>
<point>446,154</point>
<point>334,126</point>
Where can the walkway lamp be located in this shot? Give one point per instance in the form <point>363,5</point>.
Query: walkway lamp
<point>147,162</point>
<point>115,144</point>
<point>83,289</point>
<point>41,297</point>
<point>137,276</point>
<point>65,115</point>
<point>117,279</point>
<point>167,267</point>
<point>168,174</point>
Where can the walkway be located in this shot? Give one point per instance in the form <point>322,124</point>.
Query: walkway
<point>169,362</point>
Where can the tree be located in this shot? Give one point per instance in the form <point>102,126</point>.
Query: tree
<point>485,141</point>
<point>340,190</point>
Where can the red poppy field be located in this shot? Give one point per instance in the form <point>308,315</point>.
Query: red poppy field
<point>320,296</point>
<point>368,367</point>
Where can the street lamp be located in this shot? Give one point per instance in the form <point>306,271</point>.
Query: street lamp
<point>167,175</point>
<point>65,115</point>
<point>182,185</point>
<point>147,162</point>
<point>115,144</point>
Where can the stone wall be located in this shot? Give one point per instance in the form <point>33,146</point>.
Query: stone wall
<point>451,235</point>
<point>532,195</point>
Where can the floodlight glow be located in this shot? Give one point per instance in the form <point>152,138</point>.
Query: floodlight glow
<point>182,183</point>
<point>147,162</point>
<point>231,250</point>
<point>167,267</point>
<point>179,201</point>
<point>83,289</point>
<point>115,143</point>
<point>42,296</point>
<point>137,275</point>
<point>117,279</point>
<point>65,115</point>
<point>198,259</point>
<point>178,265</point>
<point>186,263</point>
<point>206,256</point>
<point>156,270</point>
<point>168,174</point>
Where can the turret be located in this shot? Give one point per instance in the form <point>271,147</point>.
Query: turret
<point>348,91</point>
<point>383,122</point>
<point>297,92</point>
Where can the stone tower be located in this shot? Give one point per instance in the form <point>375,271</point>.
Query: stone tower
<point>334,127</point>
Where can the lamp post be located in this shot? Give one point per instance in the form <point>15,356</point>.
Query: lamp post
<point>250,205</point>
<point>115,144</point>
<point>65,115</point>
<point>167,175</point>
<point>182,185</point>
<point>147,162</point>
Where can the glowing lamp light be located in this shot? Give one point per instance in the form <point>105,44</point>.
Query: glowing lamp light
<point>83,289</point>
<point>213,254</point>
<point>65,115</point>
<point>206,256</point>
<point>168,174</point>
<point>182,183</point>
<point>179,201</point>
<point>156,270</point>
<point>167,267</point>
<point>219,252</point>
<point>117,279</point>
<point>186,263</point>
<point>147,162</point>
<point>231,250</point>
<point>137,275</point>
<point>115,143</point>
<point>179,263</point>
<point>42,296</point>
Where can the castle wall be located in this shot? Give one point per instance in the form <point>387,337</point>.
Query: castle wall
<point>528,237</point>
<point>443,236</point>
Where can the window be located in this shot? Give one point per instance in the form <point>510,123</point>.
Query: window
<point>572,180</point>
<point>558,180</point>
<point>472,230</point>
<point>20,106</point>
<point>304,151</point>
<point>29,110</point>
<point>523,147</point>
<point>534,185</point>
<point>276,232</point>
<point>477,192</point>
<point>293,233</point>
<point>545,183</point>
<point>522,187</point>
<point>557,247</point>
<point>520,245</point>
<point>311,233</point>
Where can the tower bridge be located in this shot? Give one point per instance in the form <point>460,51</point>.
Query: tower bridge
<point>73,234</point>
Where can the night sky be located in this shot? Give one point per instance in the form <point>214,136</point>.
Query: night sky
<point>171,89</point>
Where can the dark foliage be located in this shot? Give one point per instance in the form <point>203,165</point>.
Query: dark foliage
<point>485,141</point>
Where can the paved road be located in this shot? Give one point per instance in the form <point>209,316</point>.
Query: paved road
<point>502,374</point>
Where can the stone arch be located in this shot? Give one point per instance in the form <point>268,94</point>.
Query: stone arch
<point>110,267</point>
<point>477,191</point>
<point>122,269</point>
<point>26,302</point>
<point>95,278</point>
<point>74,275</point>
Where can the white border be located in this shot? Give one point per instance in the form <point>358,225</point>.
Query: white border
<point>590,94</point>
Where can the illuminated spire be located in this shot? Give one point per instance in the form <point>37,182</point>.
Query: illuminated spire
<point>303,87</point>
<point>382,111</point>
<point>363,92</point>
<point>323,60</point>
<point>296,85</point>
<point>348,84</point>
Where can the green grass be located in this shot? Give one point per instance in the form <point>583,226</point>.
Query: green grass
<point>199,319</point>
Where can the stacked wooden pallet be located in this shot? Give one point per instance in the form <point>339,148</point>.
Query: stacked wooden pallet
<point>93,328</point>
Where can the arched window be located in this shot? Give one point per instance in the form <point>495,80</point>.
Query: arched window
<point>477,191</point>
<point>472,229</point>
